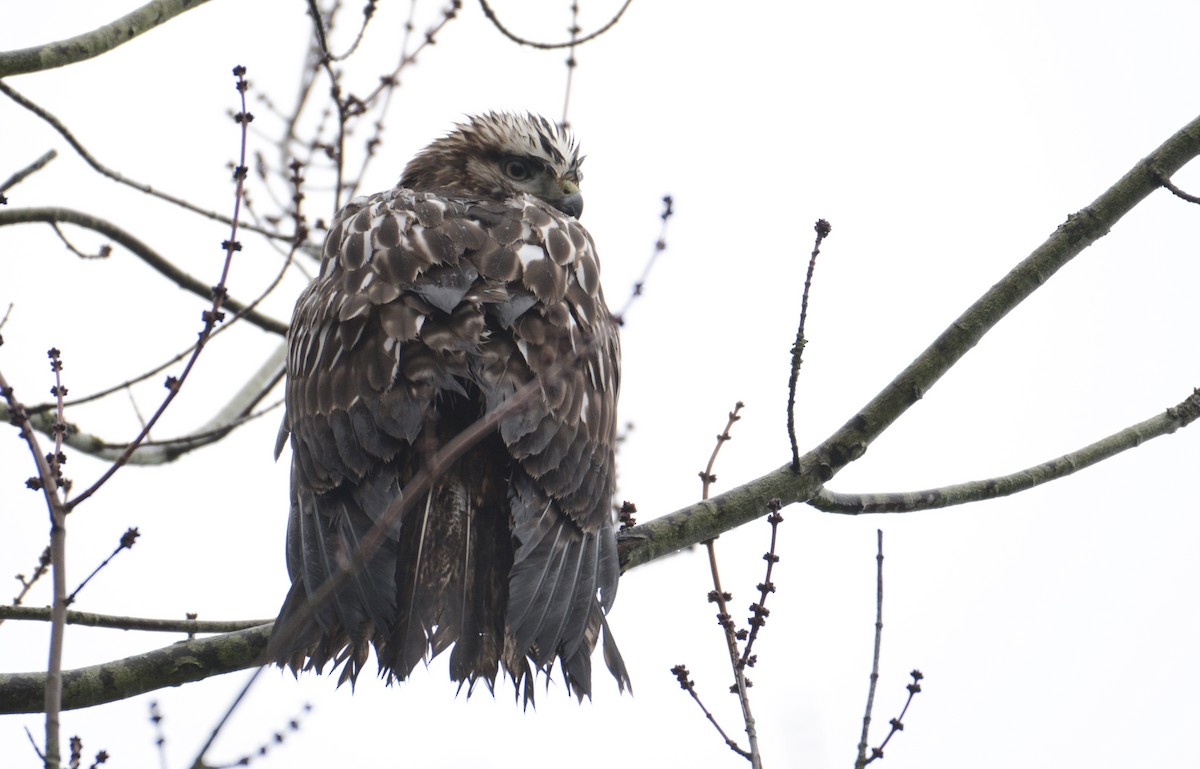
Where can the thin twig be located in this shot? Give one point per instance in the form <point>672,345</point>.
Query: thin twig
<point>211,317</point>
<point>388,84</point>
<point>42,567</point>
<point>689,686</point>
<point>342,106</point>
<point>571,62</point>
<point>897,723</point>
<point>706,475</point>
<point>368,13</point>
<point>1165,423</point>
<point>391,80</point>
<point>487,11</point>
<point>116,176</point>
<point>146,624</point>
<point>823,229</point>
<point>160,737</point>
<point>862,743</point>
<point>139,249</point>
<point>719,596</point>
<point>103,252</point>
<point>58,565</point>
<point>277,739</point>
<point>199,762</point>
<point>660,245</point>
<point>1166,182</point>
<point>697,522</point>
<point>47,481</point>
<point>758,610</point>
<point>33,167</point>
<point>127,539</point>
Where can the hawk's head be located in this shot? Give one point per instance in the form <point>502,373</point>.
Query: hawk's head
<point>499,155</point>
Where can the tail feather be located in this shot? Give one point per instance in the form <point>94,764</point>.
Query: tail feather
<point>487,565</point>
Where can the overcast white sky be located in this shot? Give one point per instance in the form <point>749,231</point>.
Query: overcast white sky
<point>942,140</point>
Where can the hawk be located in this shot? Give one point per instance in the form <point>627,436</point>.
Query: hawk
<point>468,291</point>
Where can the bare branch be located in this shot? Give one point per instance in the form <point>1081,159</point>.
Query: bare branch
<point>90,619</point>
<point>199,762</point>
<point>27,583</point>
<point>694,524</point>
<point>126,543</point>
<point>118,177</point>
<point>571,62</point>
<point>866,727</point>
<point>98,41</point>
<point>660,245</point>
<point>139,249</point>
<point>703,520</point>
<point>1133,436</point>
<point>33,167</point>
<point>179,663</point>
<point>1166,182</point>
<point>211,317</point>
<point>48,481</point>
<point>823,229</point>
<point>574,41</point>
<point>688,685</point>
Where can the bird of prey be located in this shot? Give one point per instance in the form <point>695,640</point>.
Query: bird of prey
<point>467,298</point>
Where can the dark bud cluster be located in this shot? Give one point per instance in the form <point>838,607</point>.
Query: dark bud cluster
<point>129,537</point>
<point>681,675</point>
<point>625,515</point>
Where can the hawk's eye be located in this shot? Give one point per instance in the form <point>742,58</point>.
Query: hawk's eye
<point>516,169</point>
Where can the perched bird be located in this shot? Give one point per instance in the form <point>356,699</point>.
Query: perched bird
<point>469,291</point>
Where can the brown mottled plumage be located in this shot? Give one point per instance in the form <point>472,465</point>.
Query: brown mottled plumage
<point>436,302</point>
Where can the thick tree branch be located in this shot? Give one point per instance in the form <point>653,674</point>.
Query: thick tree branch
<point>139,249</point>
<point>173,665</point>
<point>98,41</point>
<point>704,520</point>
<point>928,499</point>
<point>195,660</point>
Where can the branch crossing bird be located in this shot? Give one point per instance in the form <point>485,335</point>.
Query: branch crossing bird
<point>438,303</point>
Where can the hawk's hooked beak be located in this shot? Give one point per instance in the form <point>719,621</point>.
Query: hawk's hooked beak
<point>571,201</point>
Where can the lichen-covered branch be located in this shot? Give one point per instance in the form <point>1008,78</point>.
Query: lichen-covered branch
<point>172,665</point>
<point>928,499</point>
<point>195,660</point>
<point>705,520</point>
<point>93,43</point>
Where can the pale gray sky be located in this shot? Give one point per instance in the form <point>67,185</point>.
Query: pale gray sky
<point>942,140</point>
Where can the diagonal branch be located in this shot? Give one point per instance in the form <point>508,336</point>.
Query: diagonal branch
<point>172,665</point>
<point>195,660</point>
<point>928,499</point>
<point>120,178</point>
<point>54,215</point>
<point>98,41</point>
<point>240,409</point>
<point>703,520</point>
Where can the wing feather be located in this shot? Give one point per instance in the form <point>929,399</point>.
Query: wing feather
<point>430,311</point>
